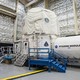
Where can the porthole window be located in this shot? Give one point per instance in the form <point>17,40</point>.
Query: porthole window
<point>46,20</point>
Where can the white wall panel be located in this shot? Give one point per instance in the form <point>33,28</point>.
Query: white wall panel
<point>78,14</point>
<point>64,11</point>
<point>20,20</point>
<point>9,3</point>
<point>7,23</point>
<point>6,28</point>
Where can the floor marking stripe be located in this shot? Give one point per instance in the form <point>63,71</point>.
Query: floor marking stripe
<point>23,75</point>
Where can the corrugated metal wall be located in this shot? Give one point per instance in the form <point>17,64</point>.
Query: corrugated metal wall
<point>6,28</point>
<point>78,14</point>
<point>20,19</point>
<point>7,23</point>
<point>9,3</point>
<point>64,11</point>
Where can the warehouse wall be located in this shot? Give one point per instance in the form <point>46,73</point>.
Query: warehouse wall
<point>20,19</point>
<point>7,23</point>
<point>64,11</point>
<point>78,14</point>
<point>6,28</point>
<point>9,3</point>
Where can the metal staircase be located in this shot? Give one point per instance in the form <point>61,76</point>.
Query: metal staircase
<point>20,60</point>
<point>59,67</point>
<point>58,63</point>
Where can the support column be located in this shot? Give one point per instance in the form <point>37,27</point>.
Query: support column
<point>15,24</point>
<point>46,4</point>
<point>75,16</point>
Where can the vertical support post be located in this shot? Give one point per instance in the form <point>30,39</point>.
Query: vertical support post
<point>49,54</point>
<point>15,30</point>
<point>29,7</point>
<point>36,43</point>
<point>46,4</point>
<point>15,24</point>
<point>29,59</point>
<point>49,66</point>
<point>75,17</point>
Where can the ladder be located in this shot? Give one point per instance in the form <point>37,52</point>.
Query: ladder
<point>20,60</point>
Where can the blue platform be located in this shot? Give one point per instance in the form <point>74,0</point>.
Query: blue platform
<point>50,61</point>
<point>8,57</point>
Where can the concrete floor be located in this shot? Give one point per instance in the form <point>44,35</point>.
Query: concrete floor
<point>11,70</point>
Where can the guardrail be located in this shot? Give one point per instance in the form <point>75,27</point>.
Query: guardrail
<point>60,57</point>
<point>38,51</point>
<point>51,54</point>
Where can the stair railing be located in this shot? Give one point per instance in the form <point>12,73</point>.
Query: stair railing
<point>59,56</point>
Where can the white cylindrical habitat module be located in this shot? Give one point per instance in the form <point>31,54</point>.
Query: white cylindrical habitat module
<point>68,46</point>
<point>40,20</point>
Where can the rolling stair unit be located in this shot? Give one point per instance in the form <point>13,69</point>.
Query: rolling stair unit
<point>50,61</point>
<point>20,60</point>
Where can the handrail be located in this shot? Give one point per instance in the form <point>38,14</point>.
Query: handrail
<point>51,53</point>
<point>58,54</point>
<point>63,59</point>
<point>37,51</point>
<point>38,48</point>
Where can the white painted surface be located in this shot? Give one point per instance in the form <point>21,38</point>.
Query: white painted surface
<point>25,47</point>
<point>69,46</point>
<point>35,21</point>
<point>17,47</point>
<point>42,40</point>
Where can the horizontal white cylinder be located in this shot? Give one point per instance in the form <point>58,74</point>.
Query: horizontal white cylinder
<point>69,46</point>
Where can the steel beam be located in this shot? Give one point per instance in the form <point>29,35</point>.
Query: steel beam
<point>23,1</point>
<point>46,3</point>
<point>75,16</point>
<point>31,3</point>
<point>15,24</point>
<point>7,11</point>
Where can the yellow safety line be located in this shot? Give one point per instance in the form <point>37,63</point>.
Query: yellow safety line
<point>22,75</point>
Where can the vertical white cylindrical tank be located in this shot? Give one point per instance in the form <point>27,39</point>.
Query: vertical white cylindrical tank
<point>69,46</point>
